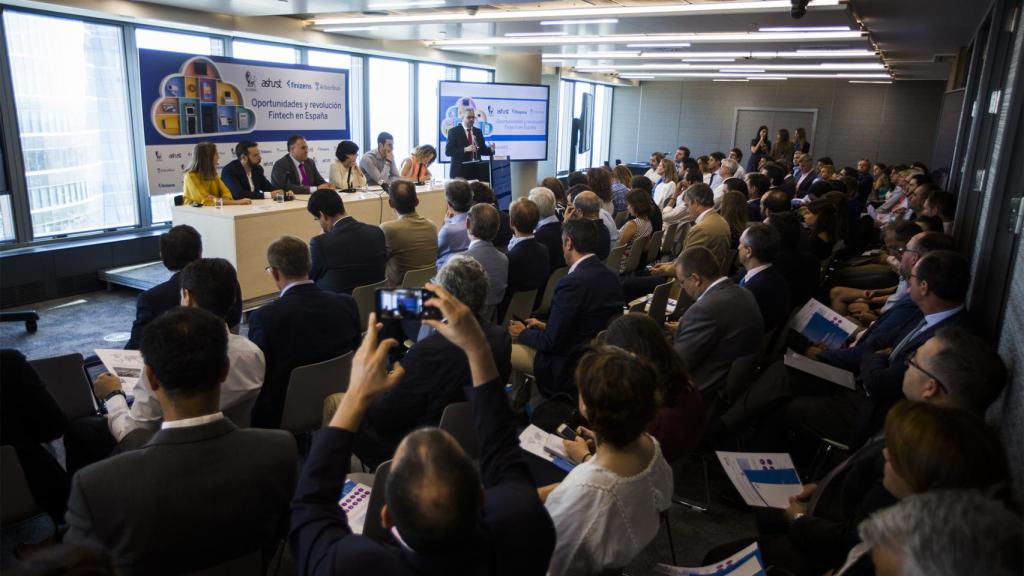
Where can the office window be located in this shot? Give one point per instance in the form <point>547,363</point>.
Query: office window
<point>475,75</point>
<point>602,124</point>
<point>564,136</point>
<point>327,59</point>
<point>6,219</point>
<point>177,42</point>
<point>426,109</point>
<point>582,160</point>
<point>391,104</point>
<point>73,117</point>
<point>264,52</point>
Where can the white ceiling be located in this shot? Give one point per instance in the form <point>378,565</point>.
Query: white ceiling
<point>908,32</point>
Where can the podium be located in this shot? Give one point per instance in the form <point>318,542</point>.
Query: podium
<point>477,170</point>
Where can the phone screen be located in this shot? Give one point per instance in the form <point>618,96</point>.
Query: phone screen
<point>405,304</point>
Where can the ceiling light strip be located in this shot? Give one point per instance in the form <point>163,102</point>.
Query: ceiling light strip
<point>825,66</point>
<point>709,56</point>
<point>709,37</point>
<point>579,22</point>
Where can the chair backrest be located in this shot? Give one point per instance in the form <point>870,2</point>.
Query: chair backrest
<point>740,377</point>
<point>364,297</point>
<point>668,239</point>
<point>241,412</point>
<point>614,259</point>
<point>179,200</point>
<point>654,246</point>
<point>251,563</point>
<point>65,379</point>
<point>16,502</point>
<point>308,387</point>
<point>457,420</point>
<point>418,278</point>
<point>372,528</point>
<point>519,306</point>
<point>549,289</point>
<point>636,254</point>
<point>680,240</point>
<point>732,262</point>
<point>659,301</point>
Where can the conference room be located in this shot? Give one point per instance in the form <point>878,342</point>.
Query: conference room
<point>434,286</point>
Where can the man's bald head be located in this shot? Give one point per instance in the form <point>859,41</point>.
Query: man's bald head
<point>588,204</point>
<point>433,491</point>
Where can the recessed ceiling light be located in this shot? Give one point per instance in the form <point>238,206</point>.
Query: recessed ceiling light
<point>730,80</point>
<point>532,34</point>
<point>745,70</point>
<point>629,39</point>
<point>574,22</point>
<point>804,29</point>
<point>767,78</point>
<point>870,81</point>
<point>594,55</point>
<point>409,4</point>
<point>351,29</point>
<point>823,67</point>
<point>589,12</point>
<point>660,45</point>
<point>709,60</point>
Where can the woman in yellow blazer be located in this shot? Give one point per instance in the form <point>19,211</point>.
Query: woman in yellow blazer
<point>202,184</point>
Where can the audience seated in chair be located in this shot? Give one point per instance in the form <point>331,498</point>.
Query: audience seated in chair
<point>722,325</point>
<point>679,420</point>
<point>607,509</point>
<point>434,372</point>
<point>349,253</point>
<point>305,325</point>
<point>758,247</point>
<point>636,232</point>
<point>585,300</point>
<point>453,238</point>
<point>484,194</point>
<point>527,258</point>
<point>586,205</point>
<point>549,227</point>
<point>201,492</point>
<point>178,246</point>
<point>482,223</point>
<point>411,240</point>
<point>445,517</point>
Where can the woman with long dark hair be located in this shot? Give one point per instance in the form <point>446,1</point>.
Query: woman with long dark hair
<point>783,150</point>
<point>822,218</point>
<point>800,143</point>
<point>760,146</point>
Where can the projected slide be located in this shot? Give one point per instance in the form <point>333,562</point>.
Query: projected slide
<point>512,117</point>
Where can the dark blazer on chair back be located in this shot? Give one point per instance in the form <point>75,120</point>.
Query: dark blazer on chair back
<point>286,176</point>
<point>583,303</point>
<point>192,498</point>
<point>163,297</point>
<point>305,326</point>
<point>352,254</point>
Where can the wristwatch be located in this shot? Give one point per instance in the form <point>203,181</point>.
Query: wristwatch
<point>112,394</point>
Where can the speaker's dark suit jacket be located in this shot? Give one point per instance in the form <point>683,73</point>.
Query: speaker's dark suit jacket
<point>233,176</point>
<point>514,534</point>
<point>772,294</point>
<point>305,326</point>
<point>455,148</point>
<point>286,176</point>
<point>191,498</point>
<point>352,254</point>
<point>163,297</point>
<point>583,304</point>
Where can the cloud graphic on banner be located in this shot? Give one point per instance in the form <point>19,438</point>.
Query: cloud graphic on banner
<point>453,116</point>
<point>196,103</point>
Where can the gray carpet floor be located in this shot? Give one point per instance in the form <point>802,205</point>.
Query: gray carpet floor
<point>103,319</point>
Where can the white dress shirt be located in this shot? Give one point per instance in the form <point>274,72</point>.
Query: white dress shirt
<point>545,221</point>
<point>189,422</point>
<point>603,520</point>
<point>713,284</point>
<point>573,267</point>
<point>754,272</point>
<point>245,377</point>
<point>516,240</point>
<point>609,223</point>
<point>663,192</point>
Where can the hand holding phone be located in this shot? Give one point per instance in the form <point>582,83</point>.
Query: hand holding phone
<point>405,304</point>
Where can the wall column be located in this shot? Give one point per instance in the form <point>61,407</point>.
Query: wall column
<point>520,69</point>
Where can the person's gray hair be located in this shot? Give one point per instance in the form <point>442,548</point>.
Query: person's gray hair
<point>467,281</point>
<point>289,256</point>
<point>588,203</point>
<point>731,165</point>
<point>948,533</point>
<point>544,198</point>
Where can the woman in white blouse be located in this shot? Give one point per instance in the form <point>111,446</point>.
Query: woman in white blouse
<point>666,184</point>
<point>608,508</point>
<point>345,173</point>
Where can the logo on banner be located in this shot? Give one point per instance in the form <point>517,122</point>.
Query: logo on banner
<point>197,101</point>
<point>453,116</point>
<point>158,155</point>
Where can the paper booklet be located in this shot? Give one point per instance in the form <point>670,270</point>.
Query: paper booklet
<point>762,479</point>
<point>546,446</point>
<point>125,364</point>
<point>819,323</point>
<point>746,562</point>
<point>355,501</point>
<point>843,378</point>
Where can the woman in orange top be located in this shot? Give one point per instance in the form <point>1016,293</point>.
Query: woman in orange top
<point>415,167</point>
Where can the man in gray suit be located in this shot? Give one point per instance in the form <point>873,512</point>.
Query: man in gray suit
<point>295,172</point>
<point>482,224</point>
<point>202,492</point>
<point>723,324</point>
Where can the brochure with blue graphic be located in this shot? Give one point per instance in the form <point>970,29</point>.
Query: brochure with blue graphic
<point>746,562</point>
<point>763,479</point>
<point>546,446</point>
<point>822,325</point>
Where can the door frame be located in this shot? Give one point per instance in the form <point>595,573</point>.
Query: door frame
<point>738,109</point>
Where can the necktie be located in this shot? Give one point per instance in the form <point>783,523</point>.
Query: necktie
<point>743,281</point>
<point>907,339</point>
<point>469,137</point>
<point>302,171</point>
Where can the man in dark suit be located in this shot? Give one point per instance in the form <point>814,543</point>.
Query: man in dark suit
<point>585,300</point>
<point>587,205</point>
<point>806,176</point>
<point>295,172</point>
<point>244,175</point>
<point>445,517</point>
<point>722,325</point>
<point>466,143</point>
<point>757,185</point>
<point>303,326</point>
<point>758,246</point>
<point>178,247</point>
<point>527,258</point>
<point>349,253</point>
<point>434,372</point>
<point>202,492</point>
<point>549,228</point>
